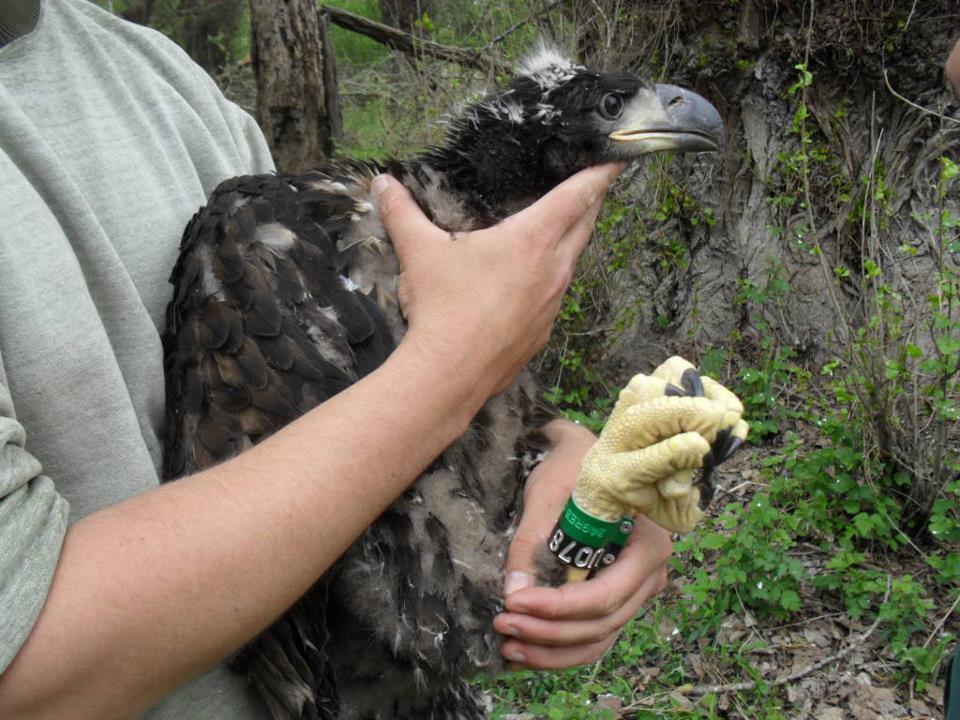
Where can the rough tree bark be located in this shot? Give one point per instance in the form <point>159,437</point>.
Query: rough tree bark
<point>296,86</point>
<point>863,141</point>
<point>826,178</point>
<point>742,56</point>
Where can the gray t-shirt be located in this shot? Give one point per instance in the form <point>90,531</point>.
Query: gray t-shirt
<point>110,139</point>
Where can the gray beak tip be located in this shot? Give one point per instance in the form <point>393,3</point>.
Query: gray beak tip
<point>692,114</point>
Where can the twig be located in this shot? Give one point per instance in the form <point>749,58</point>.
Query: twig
<point>517,25</point>
<point>910,16</point>
<point>943,620</point>
<point>914,105</point>
<point>410,44</point>
<point>737,487</point>
<point>784,679</point>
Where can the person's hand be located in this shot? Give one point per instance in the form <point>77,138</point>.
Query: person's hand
<point>551,628</point>
<point>486,302</point>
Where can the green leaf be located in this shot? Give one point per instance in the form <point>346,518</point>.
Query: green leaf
<point>864,524</point>
<point>948,344</point>
<point>948,169</point>
<point>713,541</point>
<point>790,600</point>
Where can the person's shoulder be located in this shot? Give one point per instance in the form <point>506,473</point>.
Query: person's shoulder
<point>126,38</point>
<point>89,17</point>
<point>156,69</point>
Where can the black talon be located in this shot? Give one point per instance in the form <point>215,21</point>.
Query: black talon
<point>672,390</point>
<point>732,447</point>
<point>690,379</point>
<point>725,445</point>
<point>720,445</point>
<point>706,487</point>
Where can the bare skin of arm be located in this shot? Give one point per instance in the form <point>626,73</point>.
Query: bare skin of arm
<point>153,591</point>
<point>952,67</point>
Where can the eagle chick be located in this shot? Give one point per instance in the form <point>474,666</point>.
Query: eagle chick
<point>285,293</point>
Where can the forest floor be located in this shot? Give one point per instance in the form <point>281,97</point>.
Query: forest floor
<point>817,664</point>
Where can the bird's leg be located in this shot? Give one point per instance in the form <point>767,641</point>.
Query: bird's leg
<point>664,427</point>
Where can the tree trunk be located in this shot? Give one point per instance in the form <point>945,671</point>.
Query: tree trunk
<point>140,12</point>
<point>208,30</point>
<point>296,105</point>
<point>406,14</point>
<point>819,230</point>
<point>735,248</point>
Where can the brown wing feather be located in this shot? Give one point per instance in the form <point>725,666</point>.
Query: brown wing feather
<point>261,327</point>
<point>264,326</point>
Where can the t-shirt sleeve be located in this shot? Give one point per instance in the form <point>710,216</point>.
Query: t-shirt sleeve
<point>249,139</point>
<point>33,522</point>
<point>169,61</point>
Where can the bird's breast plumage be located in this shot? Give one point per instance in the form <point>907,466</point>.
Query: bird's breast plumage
<point>285,293</point>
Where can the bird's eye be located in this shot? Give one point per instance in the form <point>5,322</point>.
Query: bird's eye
<point>611,106</point>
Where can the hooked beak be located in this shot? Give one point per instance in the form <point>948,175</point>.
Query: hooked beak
<point>680,121</point>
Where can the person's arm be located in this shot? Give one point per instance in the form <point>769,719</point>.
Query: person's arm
<point>154,590</point>
<point>552,628</point>
<point>952,67</point>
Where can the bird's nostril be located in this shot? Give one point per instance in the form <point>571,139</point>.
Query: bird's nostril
<point>677,100</point>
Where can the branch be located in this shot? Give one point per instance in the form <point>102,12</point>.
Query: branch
<point>898,96</point>
<point>517,25</point>
<point>410,44</point>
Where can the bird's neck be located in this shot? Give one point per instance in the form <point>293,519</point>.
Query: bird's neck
<point>496,177</point>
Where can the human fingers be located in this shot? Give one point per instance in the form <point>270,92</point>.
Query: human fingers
<point>566,205</point>
<point>644,555</point>
<point>404,221</point>
<point>552,645</point>
<point>546,491</point>
<point>530,629</point>
<point>540,657</point>
<point>411,233</point>
<point>573,242</point>
<point>952,67</point>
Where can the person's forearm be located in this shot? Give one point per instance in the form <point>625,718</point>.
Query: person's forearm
<point>952,67</point>
<point>156,589</point>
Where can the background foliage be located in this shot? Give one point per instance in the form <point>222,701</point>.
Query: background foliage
<point>833,553</point>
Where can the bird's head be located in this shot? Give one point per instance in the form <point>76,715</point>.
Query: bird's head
<point>555,118</point>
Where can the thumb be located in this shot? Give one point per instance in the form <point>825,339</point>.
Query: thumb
<point>547,490</point>
<point>402,218</point>
<point>520,576</point>
<point>529,540</point>
<point>543,503</point>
